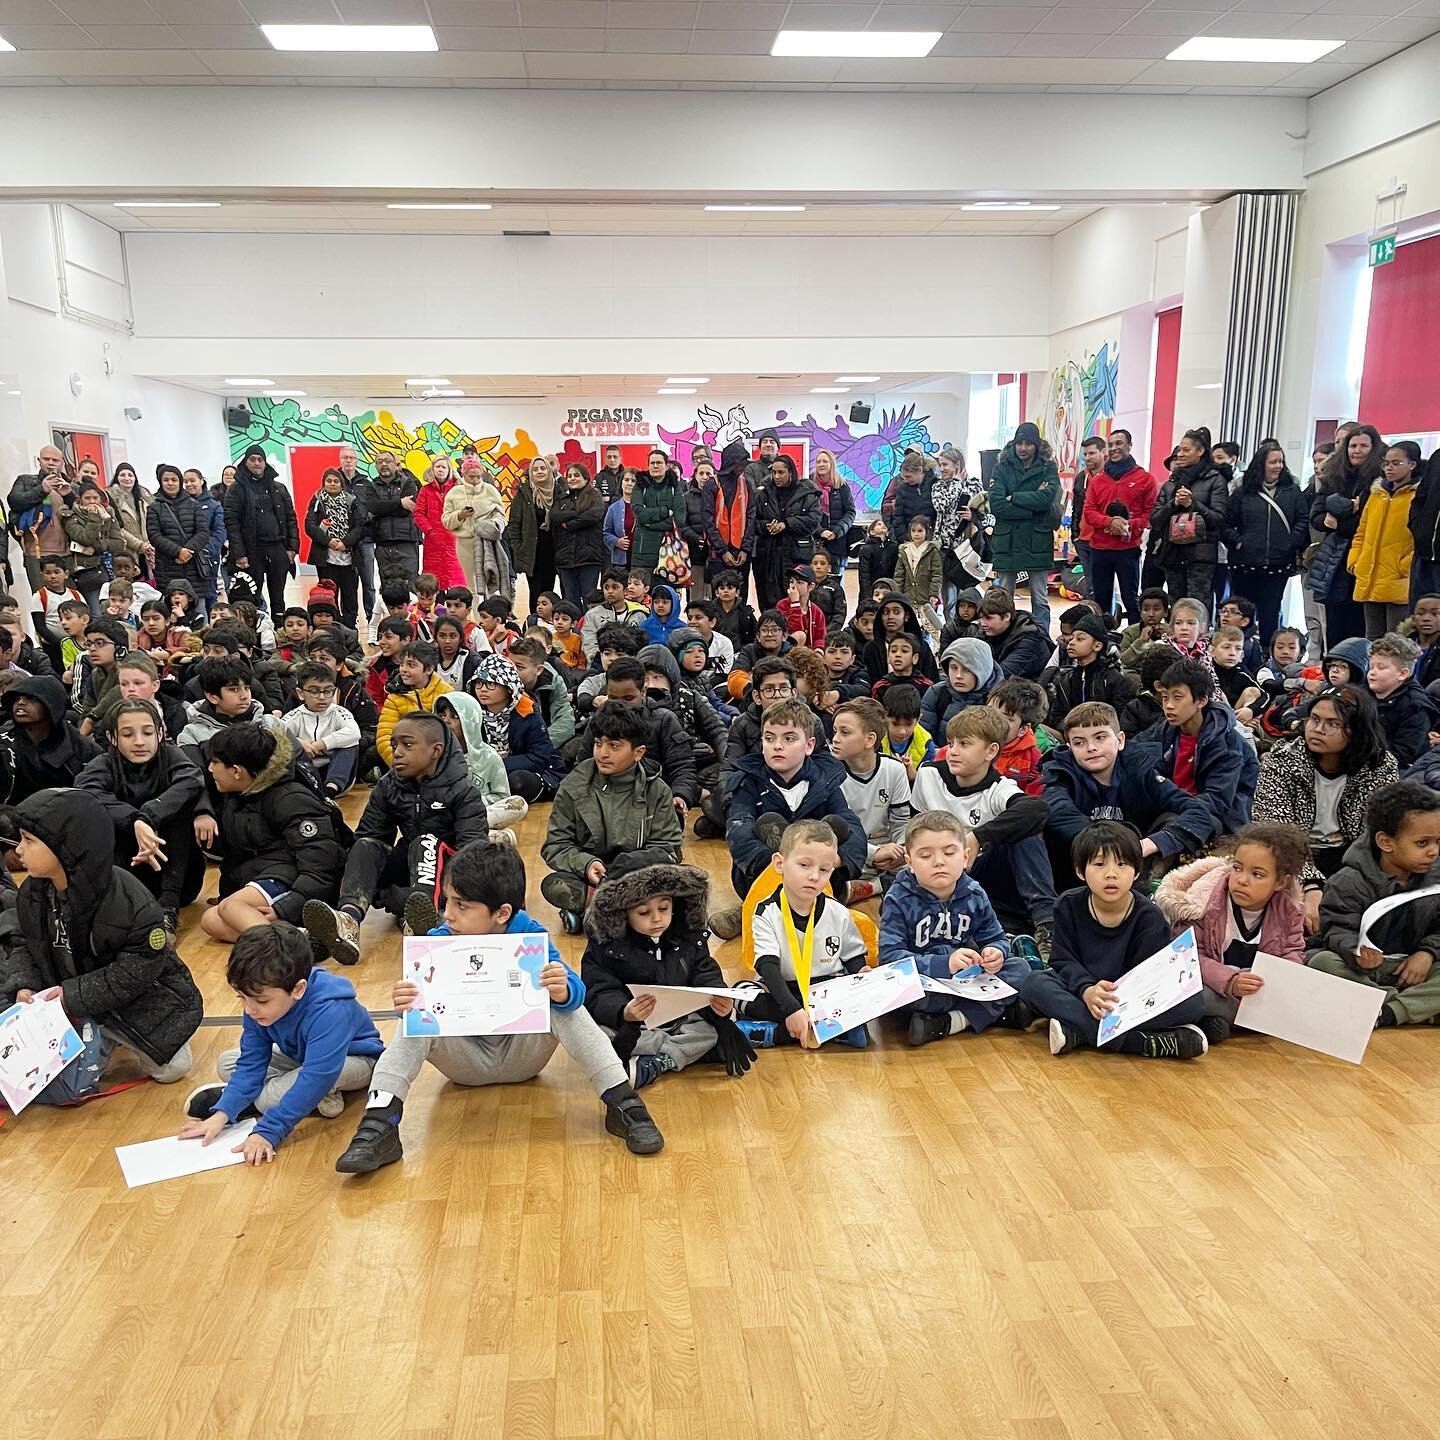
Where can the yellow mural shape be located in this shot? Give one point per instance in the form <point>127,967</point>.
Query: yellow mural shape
<point>416,448</point>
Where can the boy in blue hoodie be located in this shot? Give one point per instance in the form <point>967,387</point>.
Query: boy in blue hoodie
<point>304,1040</point>
<point>1201,751</point>
<point>664,618</point>
<point>485,895</point>
<point>935,913</point>
<point>1095,777</point>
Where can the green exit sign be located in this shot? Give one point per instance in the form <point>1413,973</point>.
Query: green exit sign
<point>1382,251</point>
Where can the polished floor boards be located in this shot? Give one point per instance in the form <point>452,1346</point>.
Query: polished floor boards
<point>973,1239</point>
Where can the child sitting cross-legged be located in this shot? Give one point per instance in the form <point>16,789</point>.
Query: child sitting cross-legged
<point>970,674</point>
<point>305,1039</point>
<point>1093,672</point>
<point>1242,902</point>
<point>1407,712</point>
<point>905,738</point>
<point>1237,683</point>
<point>938,915</point>
<point>415,686</point>
<point>806,857</point>
<point>461,714</point>
<point>1024,707</point>
<point>876,788</point>
<point>90,936</point>
<point>1013,865</point>
<point>484,894</point>
<point>1102,931</point>
<point>647,927</point>
<point>608,807</point>
<point>425,798</point>
<point>1393,857</point>
<point>323,728</point>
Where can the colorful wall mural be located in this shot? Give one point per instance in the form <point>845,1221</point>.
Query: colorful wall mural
<point>867,458</point>
<point>1078,400</point>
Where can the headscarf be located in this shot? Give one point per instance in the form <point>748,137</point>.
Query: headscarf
<point>495,669</point>
<point>544,494</point>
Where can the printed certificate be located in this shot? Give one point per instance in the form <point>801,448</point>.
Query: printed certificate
<point>476,984</point>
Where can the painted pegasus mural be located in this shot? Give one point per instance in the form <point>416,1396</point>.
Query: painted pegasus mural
<point>1079,400</point>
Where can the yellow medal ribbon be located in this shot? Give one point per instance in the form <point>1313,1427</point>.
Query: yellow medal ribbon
<point>800,954</point>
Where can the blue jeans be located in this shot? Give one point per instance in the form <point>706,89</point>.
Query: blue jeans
<point>365,564</point>
<point>577,581</point>
<point>1043,990</point>
<point>1424,578</point>
<point>1110,566</point>
<point>1039,582</point>
<point>1018,880</point>
<point>340,771</point>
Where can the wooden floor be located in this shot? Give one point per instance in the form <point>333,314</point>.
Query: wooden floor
<point>973,1239</point>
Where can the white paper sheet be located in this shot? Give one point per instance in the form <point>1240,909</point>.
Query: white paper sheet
<point>673,1001</point>
<point>477,984</point>
<point>37,1041</point>
<point>1153,987</point>
<point>1310,1008</point>
<point>170,1157</point>
<point>970,987</point>
<point>1381,908</point>
<point>846,1001</point>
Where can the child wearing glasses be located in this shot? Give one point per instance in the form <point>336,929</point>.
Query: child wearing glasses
<point>323,728</point>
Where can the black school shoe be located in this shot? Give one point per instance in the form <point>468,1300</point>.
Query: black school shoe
<point>376,1144</point>
<point>421,916</point>
<point>627,1117</point>
<point>926,1027</point>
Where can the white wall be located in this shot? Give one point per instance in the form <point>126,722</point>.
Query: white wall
<point>69,140</point>
<point>1205,325</point>
<point>1118,257</point>
<point>584,305</point>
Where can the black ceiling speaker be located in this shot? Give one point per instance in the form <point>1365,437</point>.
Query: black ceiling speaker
<point>237,416</point>
<point>859,413</point>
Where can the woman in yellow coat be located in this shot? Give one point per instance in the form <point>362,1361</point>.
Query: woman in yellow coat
<point>1383,546</point>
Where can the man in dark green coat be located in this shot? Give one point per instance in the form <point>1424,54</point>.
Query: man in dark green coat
<point>658,505</point>
<point>1022,494</point>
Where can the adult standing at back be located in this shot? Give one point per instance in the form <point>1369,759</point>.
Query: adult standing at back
<point>130,504</point>
<point>787,521</point>
<point>1267,525</point>
<point>729,502</point>
<point>913,496</point>
<point>837,510</point>
<point>659,506</point>
<point>213,514</point>
<point>1092,456</point>
<point>609,475</point>
<point>1023,490</point>
<point>1425,527</point>
<point>178,531</point>
<point>1340,491</point>
<point>532,547</point>
<point>758,471</point>
<point>1118,503</point>
<point>960,519</point>
<point>389,500</point>
<point>440,558</point>
<point>37,503</point>
<point>580,549</point>
<point>353,478</point>
<point>1188,515</point>
<point>260,523</point>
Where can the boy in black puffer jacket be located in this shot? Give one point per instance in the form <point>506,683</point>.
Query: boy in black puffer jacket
<point>90,930</point>
<point>646,926</point>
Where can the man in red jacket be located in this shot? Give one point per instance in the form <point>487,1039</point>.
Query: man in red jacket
<point>1118,502</point>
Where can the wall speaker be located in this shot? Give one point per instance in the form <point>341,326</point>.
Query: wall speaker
<point>238,416</point>
<point>859,413</point>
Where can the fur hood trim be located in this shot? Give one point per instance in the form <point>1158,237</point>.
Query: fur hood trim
<point>1184,895</point>
<point>688,884</point>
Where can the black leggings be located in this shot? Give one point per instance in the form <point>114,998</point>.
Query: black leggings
<point>346,583</point>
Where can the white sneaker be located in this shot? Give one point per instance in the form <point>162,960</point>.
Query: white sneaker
<point>505,837</point>
<point>330,1105</point>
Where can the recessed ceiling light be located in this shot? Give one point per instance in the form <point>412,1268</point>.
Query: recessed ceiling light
<point>450,394</point>
<point>856,379</point>
<point>857,44</point>
<point>829,390</point>
<point>688,380</point>
<point>250,380</point>
<point>430,380</point>
<point>387,38</point>
<point>437,205</point>
<point>759,209</point>
<point>167,204</point>
<point>12,392</point>
<point>1274,52</point>
<point>1008,205</point>
<point>285,394</point>
<point>676,390</point>
<point>6,45</point>
<point>1214,385</point>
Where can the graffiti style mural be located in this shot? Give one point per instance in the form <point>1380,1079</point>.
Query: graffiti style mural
<point>1079,400</point>
<point>867,460</point>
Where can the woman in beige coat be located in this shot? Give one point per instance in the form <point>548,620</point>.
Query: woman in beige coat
<point>462,504</point>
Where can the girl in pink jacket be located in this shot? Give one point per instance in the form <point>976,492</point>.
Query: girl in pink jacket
<point>1239,904</point>
<point>440,557</point>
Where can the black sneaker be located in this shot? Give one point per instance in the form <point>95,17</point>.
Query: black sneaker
<point>1216,1029</point>
<point>376,1144</point>
<point>1063,1038</point>
<point>421,916</point>
<point>1187,1042</point>
<point>707,829</point>
<point>627,1117</point>
<point>926,1027</point>
<point>564,892</point>
<point>1017,1015</point>
<point>199,1103</point>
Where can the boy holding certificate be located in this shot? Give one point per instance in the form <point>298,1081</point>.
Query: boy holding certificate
<point>647,927</point>
<point>485,895</point>
<point>801,934</point>
<point>937,913</point>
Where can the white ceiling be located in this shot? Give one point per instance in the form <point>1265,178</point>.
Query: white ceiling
<point>724,390</point>
<point>1057,45</point>
<point>299,217</point>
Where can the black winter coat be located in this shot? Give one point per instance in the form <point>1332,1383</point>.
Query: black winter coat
<point>1259,539</point>
<point>282,828</point>
<point>837,513</point>
<point>123,972</point>
<point>174,523</point>
<point>692,532</point>
<point>444,804</point>
<point>575,521</point>
<point>1425,512</point>
<point>26,767</point>
<point>1209,497</point>
<point>797,507</point>
<point>1075,684</point>
<point>259,516</point>
<point>389,521</point>
<point>878,559</point>
<point>1023,648</point>
<point>320,536</point>
<point>169,787</point>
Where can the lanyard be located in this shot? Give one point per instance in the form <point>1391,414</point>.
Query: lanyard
<point>798,953</point>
